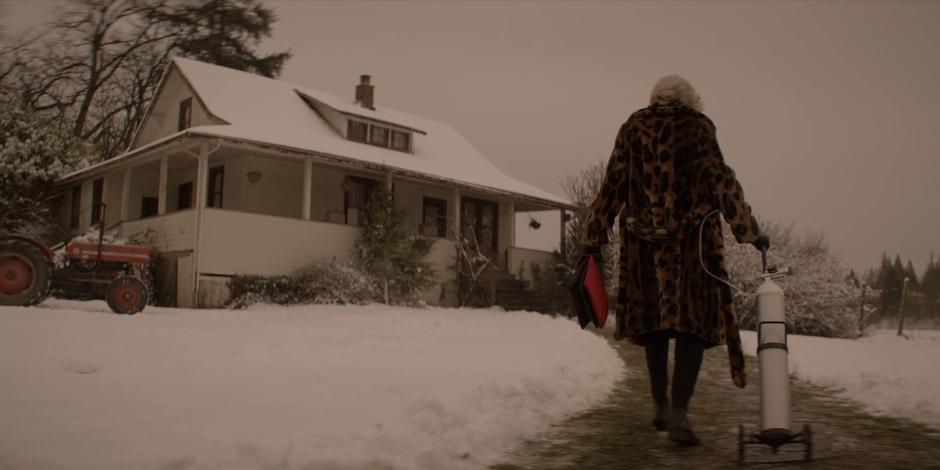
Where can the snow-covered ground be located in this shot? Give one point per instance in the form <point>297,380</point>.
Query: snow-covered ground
<point>885,373</point>
<point>311,387</point>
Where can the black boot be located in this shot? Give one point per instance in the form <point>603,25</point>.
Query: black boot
<point>657,358</point>
<point>661,416</point>
<point>689,350</point>
<point>680,429</point>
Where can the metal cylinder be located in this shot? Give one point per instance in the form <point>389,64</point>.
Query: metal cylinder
<point>772,358</point>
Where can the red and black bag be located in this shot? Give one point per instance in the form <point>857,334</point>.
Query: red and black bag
<point>586,287</point>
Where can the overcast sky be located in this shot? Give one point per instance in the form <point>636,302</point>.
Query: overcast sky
<point>828,112</point>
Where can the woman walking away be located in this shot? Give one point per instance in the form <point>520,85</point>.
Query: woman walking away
<point>665,175</point>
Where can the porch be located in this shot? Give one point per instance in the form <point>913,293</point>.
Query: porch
<point>217,209</point>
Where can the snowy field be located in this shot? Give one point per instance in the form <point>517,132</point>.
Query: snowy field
<point>311,387</point>
<point>885,373</point>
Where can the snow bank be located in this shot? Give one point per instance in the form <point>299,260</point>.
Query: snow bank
<point>885,373</point>
<point>301,387</point>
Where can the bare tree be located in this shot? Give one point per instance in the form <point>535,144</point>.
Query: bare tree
<point>99,62</point>
<point>582,188</point>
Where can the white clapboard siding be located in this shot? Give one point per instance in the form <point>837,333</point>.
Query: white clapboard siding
<point>169,232</point>
<point>243,243</point>
<point>441,259</point>
<point>526,257</point>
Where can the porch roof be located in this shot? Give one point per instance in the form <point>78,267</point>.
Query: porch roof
<point>264,111</point>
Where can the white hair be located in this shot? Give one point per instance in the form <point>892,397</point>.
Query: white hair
<point>673,89</point>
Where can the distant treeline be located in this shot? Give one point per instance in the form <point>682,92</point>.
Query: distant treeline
<point>921,298</point>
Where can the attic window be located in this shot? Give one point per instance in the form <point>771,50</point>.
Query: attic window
<point>186,113</point>
<point>401,141</point>
<point>357,131</point>
<point>378,136</point>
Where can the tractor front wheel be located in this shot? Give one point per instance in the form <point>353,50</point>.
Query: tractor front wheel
<point>24,274</point>
<point>127,295</point>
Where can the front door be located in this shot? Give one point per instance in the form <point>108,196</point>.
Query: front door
<point>480,218</point>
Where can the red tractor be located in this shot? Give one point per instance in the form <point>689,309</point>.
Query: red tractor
<point>28,273</point>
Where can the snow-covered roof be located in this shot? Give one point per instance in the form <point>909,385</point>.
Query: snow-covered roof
<point>264,110</point>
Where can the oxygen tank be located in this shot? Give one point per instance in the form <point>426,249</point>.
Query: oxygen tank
<point>772,357</point>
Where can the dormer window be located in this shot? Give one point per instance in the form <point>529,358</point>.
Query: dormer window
<point>186,112</point>
<point>378,135</point>
<point>401,141</point>
<point>357,131</point>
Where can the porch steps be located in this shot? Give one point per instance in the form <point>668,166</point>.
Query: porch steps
<point>513,294</point>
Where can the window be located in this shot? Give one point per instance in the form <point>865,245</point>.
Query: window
<point>357,193</point>
<point>356,131</point>
<point>76,206</point>
<point>97,190</point>
<point>480,218</point>
<point>216,178</point>
<point>186,112</point>
<point>148,207</point>
<point>379,136</point>
<point>435,218</point>
<point>184,198</point>
<point>400,141</point>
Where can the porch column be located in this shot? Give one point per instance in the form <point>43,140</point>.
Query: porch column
<point>457,209</point>
<point>161,194</point>
<point>202,177</point>
<point>512,227</point>
<point>202,187</point>
<point>126,195</point>
<point>308,187</point>
<point>561,239</point>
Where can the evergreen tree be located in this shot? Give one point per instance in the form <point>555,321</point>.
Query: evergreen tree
<point>391,251</point>
<point>223,32</point>
<point>911,274</point>
<point>891,283</point>
<point>33,155</point>
<point>853,278</point>
<point>930,282</point>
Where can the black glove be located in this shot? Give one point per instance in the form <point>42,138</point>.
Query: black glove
<point>596,252</point>
<point>762,243</point>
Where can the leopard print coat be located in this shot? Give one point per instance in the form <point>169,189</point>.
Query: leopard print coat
<point>666,173</point>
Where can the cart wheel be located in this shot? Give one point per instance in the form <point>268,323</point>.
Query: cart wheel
<point>808,438</point>
<point>24,274</point>
<point>741,443</point>
<point>127,295</point>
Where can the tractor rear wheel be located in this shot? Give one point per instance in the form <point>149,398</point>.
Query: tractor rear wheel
<point>127,295</point>
<point>24,274</point>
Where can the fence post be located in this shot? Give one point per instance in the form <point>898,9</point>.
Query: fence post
<point>901,310</point>
<point>861,309</point>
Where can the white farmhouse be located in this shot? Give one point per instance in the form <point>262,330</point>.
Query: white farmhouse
<point>235,173</point>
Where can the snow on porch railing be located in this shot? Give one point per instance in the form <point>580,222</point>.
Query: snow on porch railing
<point>168,232</point>
<point>519,261</point>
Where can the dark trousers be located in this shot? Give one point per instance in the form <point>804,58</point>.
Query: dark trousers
<point>688,361</point>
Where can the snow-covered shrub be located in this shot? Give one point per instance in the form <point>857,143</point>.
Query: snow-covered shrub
<point>248,289</point>
<point>820,298</point>
<point>320,283</point>
<point>336,283</point>
<point>33,154</point>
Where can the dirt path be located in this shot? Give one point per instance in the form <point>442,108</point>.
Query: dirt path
<point>618,434</point>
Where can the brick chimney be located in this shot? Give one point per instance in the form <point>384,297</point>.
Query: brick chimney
<point>365,92</point>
